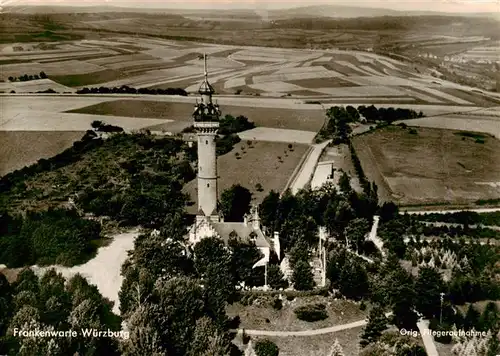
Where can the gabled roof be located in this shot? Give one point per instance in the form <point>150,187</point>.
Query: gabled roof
<point>224,229</point>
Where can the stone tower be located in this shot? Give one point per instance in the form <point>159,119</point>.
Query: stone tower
<point>206,122</point>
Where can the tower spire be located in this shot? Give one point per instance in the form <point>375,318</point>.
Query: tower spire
<point>206,90</point>
<point>205,65</point>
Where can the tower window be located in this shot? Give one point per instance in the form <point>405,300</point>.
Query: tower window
<point>206,142</point>
<point>208,185</point>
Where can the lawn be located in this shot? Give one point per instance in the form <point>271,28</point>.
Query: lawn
<point>261,315</point>
<point>431,166</point>
<point>319,345</point>
<point>259,164</point>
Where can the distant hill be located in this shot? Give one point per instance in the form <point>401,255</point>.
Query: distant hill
<point>312,11</point>
<point>341,11</point>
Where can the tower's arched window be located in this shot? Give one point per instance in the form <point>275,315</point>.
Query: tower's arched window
<point>208,185</point>
<point>206,142</point>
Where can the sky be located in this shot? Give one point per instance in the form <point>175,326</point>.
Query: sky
<point>461,6</point>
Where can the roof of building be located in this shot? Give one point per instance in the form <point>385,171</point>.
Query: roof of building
<point>242,230</point>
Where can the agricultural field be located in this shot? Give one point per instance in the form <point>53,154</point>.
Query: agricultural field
<point>469,122</point>
<point>423,166</point>
<point>279,118</point>
<point>272,72</point>
<point>251,162</point>
<point>22,148</point>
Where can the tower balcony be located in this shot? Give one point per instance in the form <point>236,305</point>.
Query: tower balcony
<point>206,125</point>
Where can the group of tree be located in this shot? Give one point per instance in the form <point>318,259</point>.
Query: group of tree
<point>124,89</point>
<point>346,214</point>
<point>103,127</point>
<point>428,293</point>
<point>179,295</point>
<point>26,77</point>
<point>53,304</point>
<point>337,124</point>
<point>463,218</point>
<point>48,237</point>
<point>458,231</point>
<point>130,178</point>
<point>339,118</point>
<point>388,115</point>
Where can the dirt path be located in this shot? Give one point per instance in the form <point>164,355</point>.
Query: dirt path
<point>328,330</point>
<point>430,347</point>
<point>372,236</point>
<point>104,270</point>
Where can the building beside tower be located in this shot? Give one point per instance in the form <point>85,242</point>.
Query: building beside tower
<point>209,221</point>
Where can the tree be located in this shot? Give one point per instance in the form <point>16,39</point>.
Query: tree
<point>268,209</point>
<point>299,252</point>
<point>97,124</point>
<point>345,184</point>
<point>276,278</point>
<point>176,305</point>
<point>490,317</point>
<point>428,286</point>
<point>243,257</point>
<point>302,277</point>
<point>336,349</point>
<point>235,203</point>
<point>493,344</point>
<point>266,347</point>
<point>213,264</point>
<point>377,323</point>
<point>43,75</point>
<point>209,340</point>
<point>356,231</point>
<point>471,318</point>
<point>388,211</point>
<point>343,214</point>
<point>353,281</point>
<point>143,338</point>
<point>402,296</point>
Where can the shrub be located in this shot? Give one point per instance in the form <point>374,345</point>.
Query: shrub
<point>277,304</point>
<point>266,347</point>
<point>311,312</point>
<point>413,132</point>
